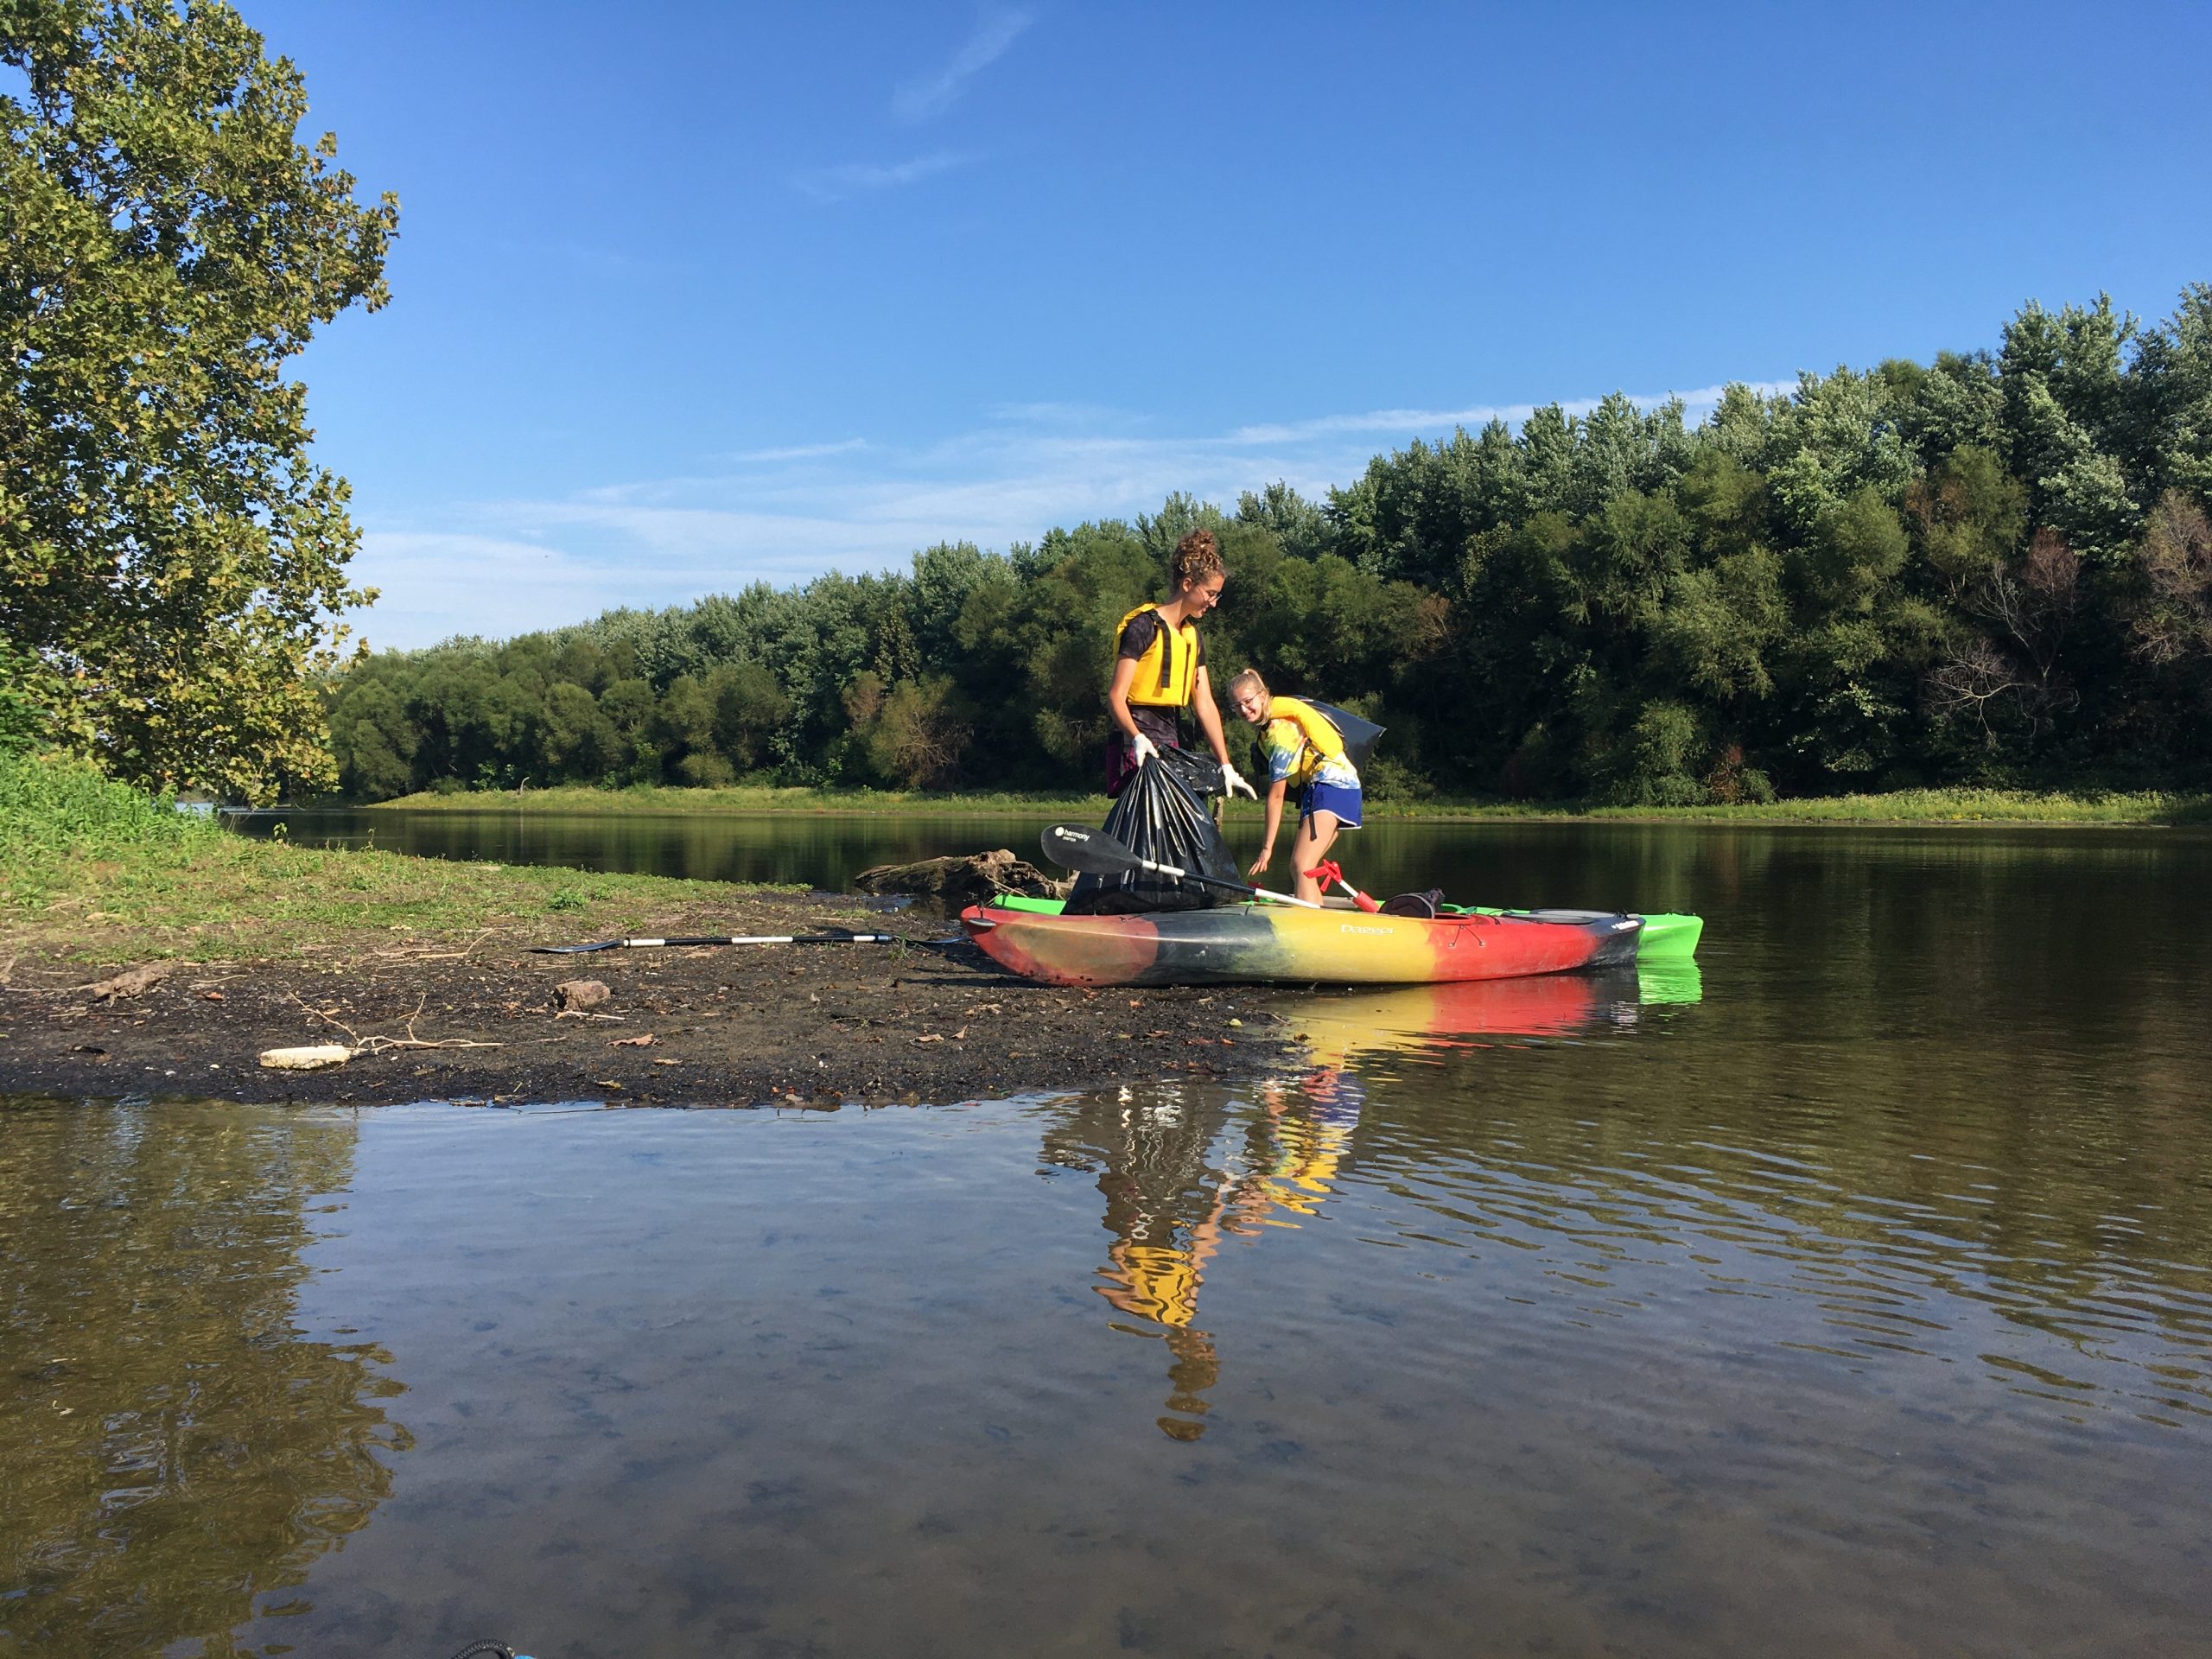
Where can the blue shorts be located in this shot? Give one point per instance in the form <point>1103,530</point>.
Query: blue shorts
<point>1331,797</point>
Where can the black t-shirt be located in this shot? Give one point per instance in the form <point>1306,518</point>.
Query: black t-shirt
<point>1162,725</point>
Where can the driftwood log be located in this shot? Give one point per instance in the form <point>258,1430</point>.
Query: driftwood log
<point>953,883</point>
<point>131,981</point>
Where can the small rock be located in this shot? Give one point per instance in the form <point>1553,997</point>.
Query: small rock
<point>313,1058</point>
<point>575,995</point>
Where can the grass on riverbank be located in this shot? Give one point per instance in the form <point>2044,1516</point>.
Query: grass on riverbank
<point>1924,806</point>
<point>96,873</point>
<point>1909,806</point>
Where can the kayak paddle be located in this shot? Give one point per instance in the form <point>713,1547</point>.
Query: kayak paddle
<point>1093,851</point>
<point>835,935</point>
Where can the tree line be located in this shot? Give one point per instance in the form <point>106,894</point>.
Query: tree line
<point>1994,569</point>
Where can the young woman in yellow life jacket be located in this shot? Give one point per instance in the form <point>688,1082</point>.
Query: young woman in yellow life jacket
<point>1160,669</point>
<point>1303,747</point>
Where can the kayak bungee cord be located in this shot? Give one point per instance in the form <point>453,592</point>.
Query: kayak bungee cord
<point>489,1651</point>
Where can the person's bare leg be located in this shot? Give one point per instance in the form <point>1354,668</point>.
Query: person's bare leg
<point>1316,832</point>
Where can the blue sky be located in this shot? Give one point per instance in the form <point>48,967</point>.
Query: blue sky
<point>690,295</point>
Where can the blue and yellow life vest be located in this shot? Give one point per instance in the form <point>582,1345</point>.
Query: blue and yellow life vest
<point>1167,673</point>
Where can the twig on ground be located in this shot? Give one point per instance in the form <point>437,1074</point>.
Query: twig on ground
<point>378,1044</point>
<point>326,1017</point>
<point>416,953</point>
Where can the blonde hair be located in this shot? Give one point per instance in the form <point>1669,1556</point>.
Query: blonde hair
<point>1245,677</point>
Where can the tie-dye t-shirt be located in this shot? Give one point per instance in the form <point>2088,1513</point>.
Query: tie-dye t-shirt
<point>1301,746</point>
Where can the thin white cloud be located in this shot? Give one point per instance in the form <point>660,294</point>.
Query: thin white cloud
<point>799,452</point>
<point>438,583</point>
<point>917,100</point>
<point>858,178</point>
<point>786,515</point>
<point>1418,420</point>
<point>1057,413</point>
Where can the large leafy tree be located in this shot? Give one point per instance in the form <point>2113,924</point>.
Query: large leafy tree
<point>170,558</point>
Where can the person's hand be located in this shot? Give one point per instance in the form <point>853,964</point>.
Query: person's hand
<point>1232,780</point>
<point>1260,864</point>
<point>1142,748</point>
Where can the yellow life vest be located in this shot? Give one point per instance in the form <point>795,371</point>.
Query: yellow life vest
<point>1167,673</point>
<point>1318,739</point>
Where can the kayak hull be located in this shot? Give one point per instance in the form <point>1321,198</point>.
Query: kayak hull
<point>1673,937</point>
<point>1271,943</point>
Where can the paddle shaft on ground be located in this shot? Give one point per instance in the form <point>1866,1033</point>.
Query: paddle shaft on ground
<point>1093,851</point>
<point>838,938</point>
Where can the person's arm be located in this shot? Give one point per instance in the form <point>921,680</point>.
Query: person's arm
<point>1117,695</point>
<point>1275,792</point>
<point>1209,724</point>
<point>1209,717</point>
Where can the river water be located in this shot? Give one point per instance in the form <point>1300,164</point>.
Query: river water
<point>1853,1295</point>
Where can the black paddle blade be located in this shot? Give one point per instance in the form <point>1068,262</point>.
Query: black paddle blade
<point>1092,852</point>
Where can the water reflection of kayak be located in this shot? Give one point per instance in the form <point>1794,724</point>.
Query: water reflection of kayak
<point>1335,1029</point>
<point>1236,943</point>
<point>1477,1013</point>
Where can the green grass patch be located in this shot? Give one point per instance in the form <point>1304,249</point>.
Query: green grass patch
<point>1913,806</point>
<point>98,872</point>
<point>60,819</point>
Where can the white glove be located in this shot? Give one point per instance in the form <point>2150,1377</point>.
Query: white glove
<point>1232,780</point>
<point>1142,748</point>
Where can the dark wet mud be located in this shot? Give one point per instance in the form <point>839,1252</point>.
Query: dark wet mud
<point>706,1026</point>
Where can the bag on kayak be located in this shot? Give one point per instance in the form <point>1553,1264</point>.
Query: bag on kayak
<point>1161,815</point>
<point>1358,733</point>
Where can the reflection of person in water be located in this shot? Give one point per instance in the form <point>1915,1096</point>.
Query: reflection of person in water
<point>1169,1207</point>
<point>1303,1140</point>
<point>1164,1204</point>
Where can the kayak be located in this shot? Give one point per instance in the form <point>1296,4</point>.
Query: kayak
<point>1670,937</point>
<point>1257,944</point>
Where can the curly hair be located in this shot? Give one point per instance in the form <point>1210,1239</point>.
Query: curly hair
<point>1196,556</point>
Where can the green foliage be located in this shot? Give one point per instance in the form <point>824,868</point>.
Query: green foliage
<point>918,733</point>
<point>59,814</point>
<point>168,550</point>
<point>24,700</point>
<point>1886,579</point>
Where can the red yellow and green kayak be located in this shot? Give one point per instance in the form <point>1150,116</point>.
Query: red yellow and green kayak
<point>1257,943</point>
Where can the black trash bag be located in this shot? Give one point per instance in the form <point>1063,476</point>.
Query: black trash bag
<point>1358,733</point>
<point>1161,815</point>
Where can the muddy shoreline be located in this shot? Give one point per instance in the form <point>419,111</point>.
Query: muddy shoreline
<point>816,1025</point>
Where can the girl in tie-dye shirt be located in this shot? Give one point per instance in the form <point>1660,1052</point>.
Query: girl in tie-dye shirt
<point>1302,746</point>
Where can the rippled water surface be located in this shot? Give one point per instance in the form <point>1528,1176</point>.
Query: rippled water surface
<point>1853,1295</point>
